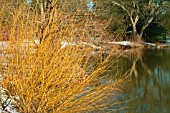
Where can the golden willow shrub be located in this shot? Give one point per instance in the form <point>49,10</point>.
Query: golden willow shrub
<point>47,78</point>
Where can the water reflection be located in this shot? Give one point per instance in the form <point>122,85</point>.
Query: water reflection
<point>149,87</point>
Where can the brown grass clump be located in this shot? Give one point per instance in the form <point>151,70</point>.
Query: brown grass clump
<point>45,77</point>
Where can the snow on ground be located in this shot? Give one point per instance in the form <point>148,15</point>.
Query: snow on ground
<point>8,103</point>
<point>147,43</point>
<point>123,43</point>
<point>3,45</point>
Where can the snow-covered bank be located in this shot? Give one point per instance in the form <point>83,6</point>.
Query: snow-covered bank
<point>123,43</point>
<point>97,46</point>
<point>142,44</point>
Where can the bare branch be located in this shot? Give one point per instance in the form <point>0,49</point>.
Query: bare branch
<point>121,6</point>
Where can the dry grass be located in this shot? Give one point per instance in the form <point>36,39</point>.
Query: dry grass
<point>46,77</point>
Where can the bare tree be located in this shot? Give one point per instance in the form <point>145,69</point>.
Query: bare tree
<point>137,9</point>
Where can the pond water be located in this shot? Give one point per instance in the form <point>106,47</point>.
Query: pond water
<point>148,90</point>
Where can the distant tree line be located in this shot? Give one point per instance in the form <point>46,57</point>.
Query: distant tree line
<point>136,19</point>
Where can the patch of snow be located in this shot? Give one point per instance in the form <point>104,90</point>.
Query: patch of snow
<point>65,44</point>
<point>3,45</point>
<point>92,45</point>
<point>123,43</point>
<point>37,41</point>
<point>8,103</point>
<point>147,43</point>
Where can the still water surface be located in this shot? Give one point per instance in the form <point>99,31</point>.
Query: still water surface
<point>148,90</point>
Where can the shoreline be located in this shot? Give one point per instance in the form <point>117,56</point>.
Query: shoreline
<point>97,46</point>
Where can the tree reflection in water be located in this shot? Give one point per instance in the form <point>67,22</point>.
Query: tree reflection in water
<point>147,91</point>
<point>149,86</point>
